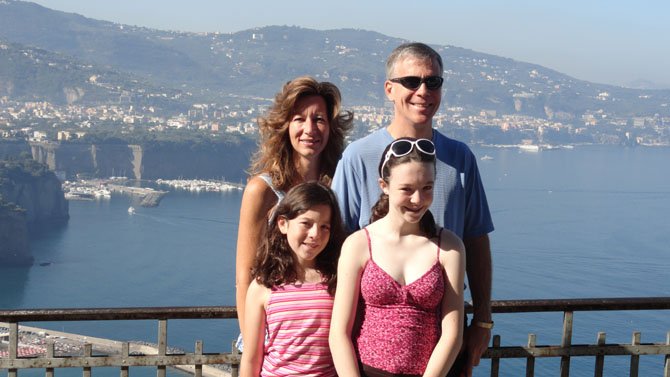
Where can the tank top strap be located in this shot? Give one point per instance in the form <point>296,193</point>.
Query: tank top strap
<point>439,242</point>
<point>367,235</point>
<point>268,180</point>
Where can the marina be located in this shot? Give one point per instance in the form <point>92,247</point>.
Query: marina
<point>102,189</point>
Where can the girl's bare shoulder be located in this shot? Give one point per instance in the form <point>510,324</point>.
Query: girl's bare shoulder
<point>356,245</point>
<point>449,241</point>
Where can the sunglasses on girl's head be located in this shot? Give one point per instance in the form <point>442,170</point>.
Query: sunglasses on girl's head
<point>402,147</point>
<point>414,82</point>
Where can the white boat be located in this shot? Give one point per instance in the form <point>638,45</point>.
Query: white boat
<point>486,157</point>
<point>131,210</point>
<point>529,147</point>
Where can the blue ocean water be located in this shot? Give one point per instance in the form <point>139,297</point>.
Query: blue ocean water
<point>570,223</point>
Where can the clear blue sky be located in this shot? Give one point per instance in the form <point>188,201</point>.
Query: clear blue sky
<point>603,41</point>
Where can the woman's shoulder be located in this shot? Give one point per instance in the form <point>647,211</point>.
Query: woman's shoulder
<point>258,187</point>
<point>258,194</point>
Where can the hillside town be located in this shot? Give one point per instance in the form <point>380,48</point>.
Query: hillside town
<point>44,121</point>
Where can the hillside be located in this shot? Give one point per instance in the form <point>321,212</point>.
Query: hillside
<point>256,62</point>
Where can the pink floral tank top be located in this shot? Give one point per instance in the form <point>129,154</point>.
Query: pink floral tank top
<point>399,325</point>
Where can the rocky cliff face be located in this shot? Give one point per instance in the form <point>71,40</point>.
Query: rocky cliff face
<point>13,148</point>
<point>30,197</point>
<point>166,160</point>
<point>40,196</point>
<point>14,245</point>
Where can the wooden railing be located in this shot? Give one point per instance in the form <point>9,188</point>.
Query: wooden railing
<point>566,350</point>
<point>161,358</point>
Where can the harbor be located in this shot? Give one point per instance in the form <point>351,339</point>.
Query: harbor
<point>102,189</point>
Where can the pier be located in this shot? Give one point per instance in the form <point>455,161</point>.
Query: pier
<point>123,356</point>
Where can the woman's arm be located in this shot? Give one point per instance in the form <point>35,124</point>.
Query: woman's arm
<point>349,270</point>
<point>252,357</point>
<point>452,258</point>
<point>257,201</point>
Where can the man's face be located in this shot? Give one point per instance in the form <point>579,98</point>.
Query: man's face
<point>414,107</point>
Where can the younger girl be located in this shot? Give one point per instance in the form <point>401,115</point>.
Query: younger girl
<point>402,276</point>
<point>290,296</point>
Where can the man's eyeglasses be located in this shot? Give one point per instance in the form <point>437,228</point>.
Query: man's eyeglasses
<point>414,82</point>
<point>403,147</point>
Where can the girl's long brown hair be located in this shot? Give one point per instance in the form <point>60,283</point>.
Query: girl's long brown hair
<point>275,262</point>
<point>275,153</point>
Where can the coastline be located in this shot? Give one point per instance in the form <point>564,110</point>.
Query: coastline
<point>33,343</point>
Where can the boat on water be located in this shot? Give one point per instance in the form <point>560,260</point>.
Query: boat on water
<point>486,157</point>
<point>131,210</point>
<point>529,147</point>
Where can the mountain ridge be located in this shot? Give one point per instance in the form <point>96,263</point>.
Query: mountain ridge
<point>256,62</point>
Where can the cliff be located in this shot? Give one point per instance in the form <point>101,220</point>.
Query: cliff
<point>30,186</point>
<point>13,148</point>
<point>14,244</point>
<point>30,197</point>
<point>153,160</point>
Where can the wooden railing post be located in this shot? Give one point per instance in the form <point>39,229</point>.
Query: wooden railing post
<point>125,354</point>
<point>162,345</point>
<point>635,359</point>
<point>50,354</point>
<point>666,372</point>
<point>198,351</point>
<point>13,346</point>
<point>234,372</point>
<point>88,352</point>
<point>495,361</point>
<point>566,341</point>
<point>600,359</point>
<point>530,360</point>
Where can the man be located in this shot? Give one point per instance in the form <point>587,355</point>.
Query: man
<point>413,83</point>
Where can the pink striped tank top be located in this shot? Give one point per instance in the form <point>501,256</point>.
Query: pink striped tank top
<point>400,323</point>
<point>298,324</point>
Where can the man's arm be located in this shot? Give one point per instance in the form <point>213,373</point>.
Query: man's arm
<point>480,271</point>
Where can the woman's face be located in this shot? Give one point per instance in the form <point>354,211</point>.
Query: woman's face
<point>410,189</point>
<point>308,127</point>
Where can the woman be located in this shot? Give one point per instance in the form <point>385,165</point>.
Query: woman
<point>407,274</point>
<point>301,140</point>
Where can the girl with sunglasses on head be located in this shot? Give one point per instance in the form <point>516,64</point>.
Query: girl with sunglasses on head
<point>301,139</point>
<point>405,273</point>
<point>294,280</point>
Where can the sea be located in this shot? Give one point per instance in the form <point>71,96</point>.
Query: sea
<point>582,222</point>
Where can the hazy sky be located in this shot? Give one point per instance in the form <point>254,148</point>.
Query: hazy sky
<point>603,41</point>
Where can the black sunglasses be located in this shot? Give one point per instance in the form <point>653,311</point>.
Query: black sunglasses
<point>414,82</point>
<point>402,147</point>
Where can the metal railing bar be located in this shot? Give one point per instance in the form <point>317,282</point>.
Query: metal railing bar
<point>113,314</point>
<point>223,312</point>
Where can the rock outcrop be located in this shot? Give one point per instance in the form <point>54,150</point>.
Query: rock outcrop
<point>14,244</point>
<point>31,197</point>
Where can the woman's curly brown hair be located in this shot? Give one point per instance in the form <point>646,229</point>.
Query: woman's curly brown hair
<point>275,262</point>
<point>275,153</point>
